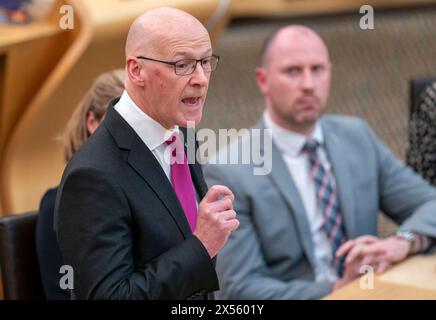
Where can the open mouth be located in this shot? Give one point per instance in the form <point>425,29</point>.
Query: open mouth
<point>192,101</point>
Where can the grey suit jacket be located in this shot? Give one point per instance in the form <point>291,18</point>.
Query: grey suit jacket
<point>271,255</point>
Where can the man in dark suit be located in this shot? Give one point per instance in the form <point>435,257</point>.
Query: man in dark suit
<point>132,222</point>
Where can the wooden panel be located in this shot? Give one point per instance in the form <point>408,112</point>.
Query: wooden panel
<point>31,54</point>
<point>414,278</point>
<point>2,87</point>
<point>419,271</point>
<point>382,291</point>
<point>28,65</point>
<point>261,8</point>
<point>11,35</point>
<point>2,105</point>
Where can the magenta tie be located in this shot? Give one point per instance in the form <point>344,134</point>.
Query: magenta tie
<point>182,181</point>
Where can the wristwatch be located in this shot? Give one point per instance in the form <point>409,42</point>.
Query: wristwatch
<point>408,236</point>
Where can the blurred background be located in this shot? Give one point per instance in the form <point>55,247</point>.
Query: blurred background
<point>51,51</point>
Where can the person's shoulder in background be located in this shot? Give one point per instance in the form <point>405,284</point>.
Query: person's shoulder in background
<point>47,247</point>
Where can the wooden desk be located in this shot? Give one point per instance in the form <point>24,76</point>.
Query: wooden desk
<point>412,279</point>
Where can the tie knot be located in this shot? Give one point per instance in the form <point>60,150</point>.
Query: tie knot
<point>175,147</point>
<point>171,140</point>
<point>310,146</point>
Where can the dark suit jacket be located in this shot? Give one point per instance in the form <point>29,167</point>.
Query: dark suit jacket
<point>120,224</point>
<point>47,249</point>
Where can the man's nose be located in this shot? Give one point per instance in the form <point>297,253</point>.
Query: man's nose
<point>307,80</point>
<point>199,77</point>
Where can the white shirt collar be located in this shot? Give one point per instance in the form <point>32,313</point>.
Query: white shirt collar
<point>290,142</point>
<point>149,130</point>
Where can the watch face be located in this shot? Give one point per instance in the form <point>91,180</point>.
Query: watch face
<point>407,235</point>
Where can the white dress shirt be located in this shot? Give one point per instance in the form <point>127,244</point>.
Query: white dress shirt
<point>149,130</point>
<point>290,145</point>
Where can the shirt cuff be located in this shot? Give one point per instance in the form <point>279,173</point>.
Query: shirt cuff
<point>425,243</point>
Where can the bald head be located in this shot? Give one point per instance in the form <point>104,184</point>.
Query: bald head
<point>295,78</point>
<point>148,32</point>
<point>292,35</point>
<point>162,79</point>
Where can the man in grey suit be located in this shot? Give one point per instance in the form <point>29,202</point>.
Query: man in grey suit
<point>308,226</point>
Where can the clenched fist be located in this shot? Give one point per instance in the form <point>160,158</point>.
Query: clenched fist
<point>216,219</point>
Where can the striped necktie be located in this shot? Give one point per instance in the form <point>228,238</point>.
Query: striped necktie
<point>327,201</point>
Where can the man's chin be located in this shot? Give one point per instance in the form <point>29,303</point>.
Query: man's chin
<point>305,124</point>
<point>189,122</point>
<point>308,119</point>
<point>311,116</point>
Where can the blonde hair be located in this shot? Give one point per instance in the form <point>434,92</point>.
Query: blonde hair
<point>105,88</point>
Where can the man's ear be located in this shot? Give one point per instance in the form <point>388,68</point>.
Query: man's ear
<point>261,79</point>
<point>135,71</point>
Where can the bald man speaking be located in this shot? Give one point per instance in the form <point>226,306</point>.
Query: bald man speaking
<point>134,220</point>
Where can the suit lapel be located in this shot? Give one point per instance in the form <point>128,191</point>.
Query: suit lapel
<point>341,170</point>
<point>285,184</point>
<point>195,168</point>
<point>282,179</point>
<point>143,162</point>
<point>198,179</point>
